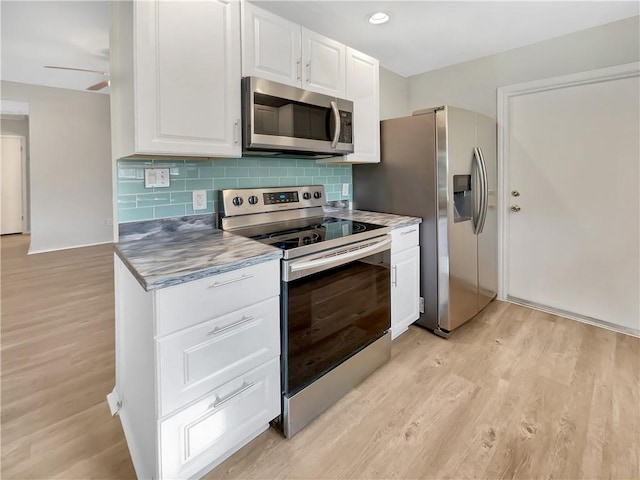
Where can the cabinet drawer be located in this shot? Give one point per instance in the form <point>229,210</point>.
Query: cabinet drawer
<point>199,359</point>
<point>194,302</point>
<point>405,237</point>
<point>195,437</point>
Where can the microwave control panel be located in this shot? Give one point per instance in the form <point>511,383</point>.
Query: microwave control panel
<point>346,127</point>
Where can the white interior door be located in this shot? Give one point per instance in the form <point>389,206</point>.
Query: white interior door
<point>573,158</point>
<point>11,184</point>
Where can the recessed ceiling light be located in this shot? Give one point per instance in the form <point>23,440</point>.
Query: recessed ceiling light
<point>379,18</point>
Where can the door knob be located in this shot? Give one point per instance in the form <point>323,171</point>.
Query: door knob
<point>515,193</point>
<point>515,208</point>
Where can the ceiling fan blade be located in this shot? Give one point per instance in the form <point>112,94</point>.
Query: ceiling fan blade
<point>99,86</point>
<point>77,69</point>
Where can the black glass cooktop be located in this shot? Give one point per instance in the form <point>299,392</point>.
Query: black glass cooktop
<point>307,231</point>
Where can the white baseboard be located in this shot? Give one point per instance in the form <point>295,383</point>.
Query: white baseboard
<point>579,318</point>
<point>47,250</point>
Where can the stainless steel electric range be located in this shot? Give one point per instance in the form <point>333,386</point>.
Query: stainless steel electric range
<point>335,293</point>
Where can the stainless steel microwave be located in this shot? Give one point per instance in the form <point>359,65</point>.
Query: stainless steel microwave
<point>289,121</point>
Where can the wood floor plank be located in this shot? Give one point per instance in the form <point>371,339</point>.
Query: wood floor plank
<point>515,393</point>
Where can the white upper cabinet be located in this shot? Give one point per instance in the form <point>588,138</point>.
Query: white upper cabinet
<point>276,49</point>
<point>271,47</point>
<point>182,96</point>
<point>324,64</point>
<point>363,88</point>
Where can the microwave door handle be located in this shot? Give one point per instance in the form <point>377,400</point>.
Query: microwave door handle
<point>336,118</point>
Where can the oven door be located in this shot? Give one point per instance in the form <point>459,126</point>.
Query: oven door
<point>282,118</point>
<point>334,304</point>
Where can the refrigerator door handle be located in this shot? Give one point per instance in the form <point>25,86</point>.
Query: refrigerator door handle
<point>484,190</point>
<point>478,209</point>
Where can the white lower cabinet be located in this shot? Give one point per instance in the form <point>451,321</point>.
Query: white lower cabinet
<point>194,361</point>
<point>230,416</point>
<point>197,367</point>
<point>405,278</point>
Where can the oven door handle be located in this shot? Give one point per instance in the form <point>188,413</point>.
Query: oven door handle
<point>297,268</point>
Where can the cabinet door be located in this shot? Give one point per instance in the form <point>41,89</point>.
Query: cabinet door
<point>187,78</point>
<point>324,64</point>
<point>405,289</point>
<point>364,90</point>
<point>271,47</point>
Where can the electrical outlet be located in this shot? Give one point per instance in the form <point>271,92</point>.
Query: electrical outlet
<point>156,177</point>
<point>345,189</point>
<point>199,199</point>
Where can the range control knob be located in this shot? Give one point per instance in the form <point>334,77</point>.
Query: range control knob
<point>253,199</point>
<point>306,195</point>
<point>317,194</point>
<point>237,201</point>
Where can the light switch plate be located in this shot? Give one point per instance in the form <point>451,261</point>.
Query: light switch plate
<point>345,189</point>
<point>156,177</point>
<point>199,199</point>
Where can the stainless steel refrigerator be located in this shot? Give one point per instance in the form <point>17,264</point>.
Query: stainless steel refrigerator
<point>440,164</point>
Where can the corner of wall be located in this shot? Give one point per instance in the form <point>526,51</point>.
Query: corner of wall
<point>394,95</point>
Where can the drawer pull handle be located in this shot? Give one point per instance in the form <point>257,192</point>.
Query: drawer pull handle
<point>395,275</point>
<point>217,330</point>
<point>220,400</point>
<point>228,282</point>
<point>407,232</point>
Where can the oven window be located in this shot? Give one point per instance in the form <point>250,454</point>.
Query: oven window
<point>331,315</point>
<point>287,118</point>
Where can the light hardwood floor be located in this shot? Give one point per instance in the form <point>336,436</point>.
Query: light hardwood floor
<point>515,393</point>
<point>58,364</point>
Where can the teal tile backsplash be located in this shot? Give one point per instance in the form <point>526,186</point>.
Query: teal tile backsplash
<point>136,203</point>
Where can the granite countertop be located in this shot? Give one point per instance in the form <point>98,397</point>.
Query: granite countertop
<point>161,253</point>
<point>170,256</point>
<point>386,219</point>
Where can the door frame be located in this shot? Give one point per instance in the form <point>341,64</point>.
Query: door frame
<point>23,170</point>
<point>505,94</point>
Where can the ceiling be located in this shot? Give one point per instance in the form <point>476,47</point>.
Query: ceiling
<point>427,35</point>
<point>68,33</point>
<point>422,35</point>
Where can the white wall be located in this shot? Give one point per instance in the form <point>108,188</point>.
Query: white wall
<point>18,125</point>
<point>472,85</point>
<point>394,95</point>
<point>70,153</point>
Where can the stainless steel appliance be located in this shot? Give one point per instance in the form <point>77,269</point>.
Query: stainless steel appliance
<point>335,293</point>
<point>284,120</point>
<point>440,164</point>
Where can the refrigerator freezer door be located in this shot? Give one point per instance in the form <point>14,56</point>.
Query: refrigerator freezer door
<point>488,239</point>
<point>461,244</point>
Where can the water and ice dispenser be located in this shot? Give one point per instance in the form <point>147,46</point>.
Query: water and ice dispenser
<point>462,198</point>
